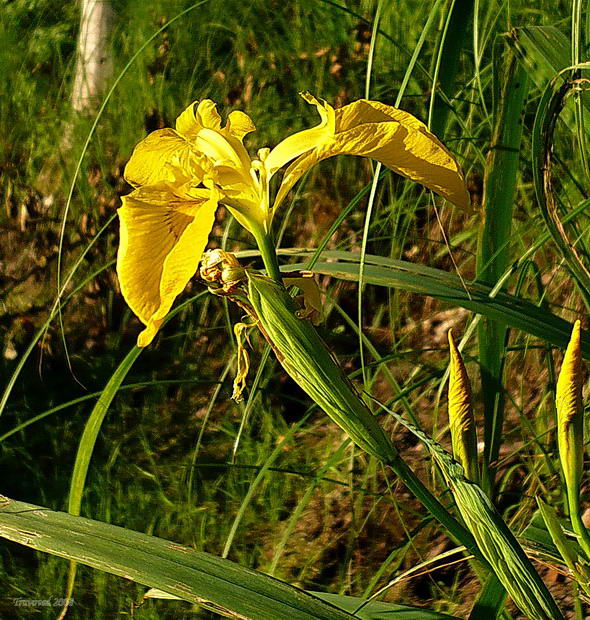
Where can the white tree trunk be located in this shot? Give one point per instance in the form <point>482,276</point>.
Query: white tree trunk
<point>94,62</point>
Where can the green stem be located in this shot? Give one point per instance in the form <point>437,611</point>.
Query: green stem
<point>268,252</point>
<point>577,523</point>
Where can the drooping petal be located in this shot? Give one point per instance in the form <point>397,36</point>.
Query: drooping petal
<point>164,156</point>
<point>303,141</point>
<point>162,240</point>
<point>396,139</point>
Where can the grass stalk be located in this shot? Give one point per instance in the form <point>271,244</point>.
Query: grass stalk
<point>548,111</point>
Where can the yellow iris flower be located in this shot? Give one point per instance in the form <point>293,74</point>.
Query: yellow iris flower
<point>180,176</point>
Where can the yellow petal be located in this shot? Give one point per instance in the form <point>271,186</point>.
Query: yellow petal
<point>219,150</point>
<point>207,115</point>
<point>303,141</point>
<point>200,115</point>
<point>224,161</point>
<point>239,124</point>
<point>312,297</point>
<point>243,360</point>
<point>187,124</point>
<point>162,240</point>
<point>164,156</point>
<point>396,139</point>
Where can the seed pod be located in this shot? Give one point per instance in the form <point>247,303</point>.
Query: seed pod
<point>461,418</point>
<point>303,354</point>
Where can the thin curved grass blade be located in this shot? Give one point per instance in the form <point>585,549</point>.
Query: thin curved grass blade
<point>548,112</point>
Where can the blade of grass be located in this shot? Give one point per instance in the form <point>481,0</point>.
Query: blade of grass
<point>372,195</point>
<point>252,488</point>
<point>90,435</point>
<point>57,307</point>
<point>81,399</point>
<point>377,172</point>
<point>297,511</point>
<point>490,601</point>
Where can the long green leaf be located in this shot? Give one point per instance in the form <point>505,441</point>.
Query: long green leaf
<point>376,610</point>
<point>509,309</point>
<point>191,575</point>
<point>360,608</point>
<point>493,251</point>
<point>447,65</point>
<point>92,428</point>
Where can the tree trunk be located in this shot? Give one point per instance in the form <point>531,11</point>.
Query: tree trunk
<point>94,62</point>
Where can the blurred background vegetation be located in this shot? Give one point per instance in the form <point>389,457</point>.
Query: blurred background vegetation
<point>268,482</point>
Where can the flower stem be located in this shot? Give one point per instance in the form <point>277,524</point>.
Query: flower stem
<point>266,245</point>
<point>577,523</point>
